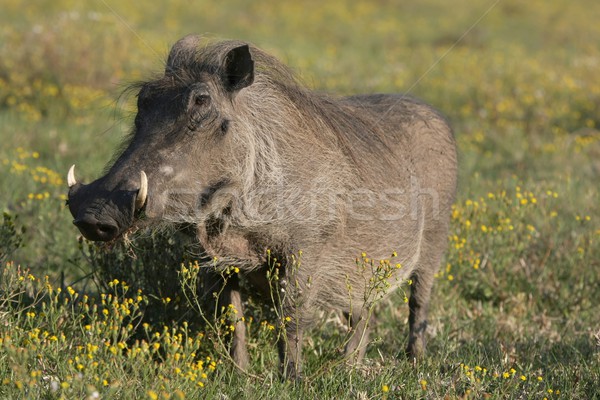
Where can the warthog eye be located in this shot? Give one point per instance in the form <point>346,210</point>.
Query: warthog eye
<point>199,108</point>
<point>202,100</point>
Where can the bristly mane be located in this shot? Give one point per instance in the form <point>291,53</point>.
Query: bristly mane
<point>335,122</point>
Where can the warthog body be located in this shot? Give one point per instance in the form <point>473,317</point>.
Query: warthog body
<point>228,140</point>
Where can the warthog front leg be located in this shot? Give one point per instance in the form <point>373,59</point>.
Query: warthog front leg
<point>230,296</point>
<point>290,352</point>
<point>360,327</point>
<point>295,316</point>
<point>238,350</point>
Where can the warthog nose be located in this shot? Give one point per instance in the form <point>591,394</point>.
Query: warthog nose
<point>96,230</point>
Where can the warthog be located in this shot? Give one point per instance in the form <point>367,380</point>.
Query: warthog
<point>229,141</point>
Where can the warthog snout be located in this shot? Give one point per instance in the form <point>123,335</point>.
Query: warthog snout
<point>102,212</point>
<point>93,229</point>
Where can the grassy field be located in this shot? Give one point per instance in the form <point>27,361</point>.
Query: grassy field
<point>516,307</point>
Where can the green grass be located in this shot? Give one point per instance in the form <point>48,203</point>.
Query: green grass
<point>515,311</point>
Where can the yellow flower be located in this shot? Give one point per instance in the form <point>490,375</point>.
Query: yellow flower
<point>152,395</point>
<point>385,388</point>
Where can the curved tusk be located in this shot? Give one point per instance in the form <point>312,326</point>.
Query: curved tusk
<point>71,181</point>
<point>143,192</point>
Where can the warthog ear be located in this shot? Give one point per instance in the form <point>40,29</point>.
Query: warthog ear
<point>182,53</point>
<point>238,69</point>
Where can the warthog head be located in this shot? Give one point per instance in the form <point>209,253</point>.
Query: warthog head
<point>182,150</point>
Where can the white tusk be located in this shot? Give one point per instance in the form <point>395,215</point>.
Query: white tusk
<point>71,176</point>
<point>143,192</point>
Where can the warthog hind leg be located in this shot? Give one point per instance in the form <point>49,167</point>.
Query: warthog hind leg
<point>417,319</point>
<point>420,293</point>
